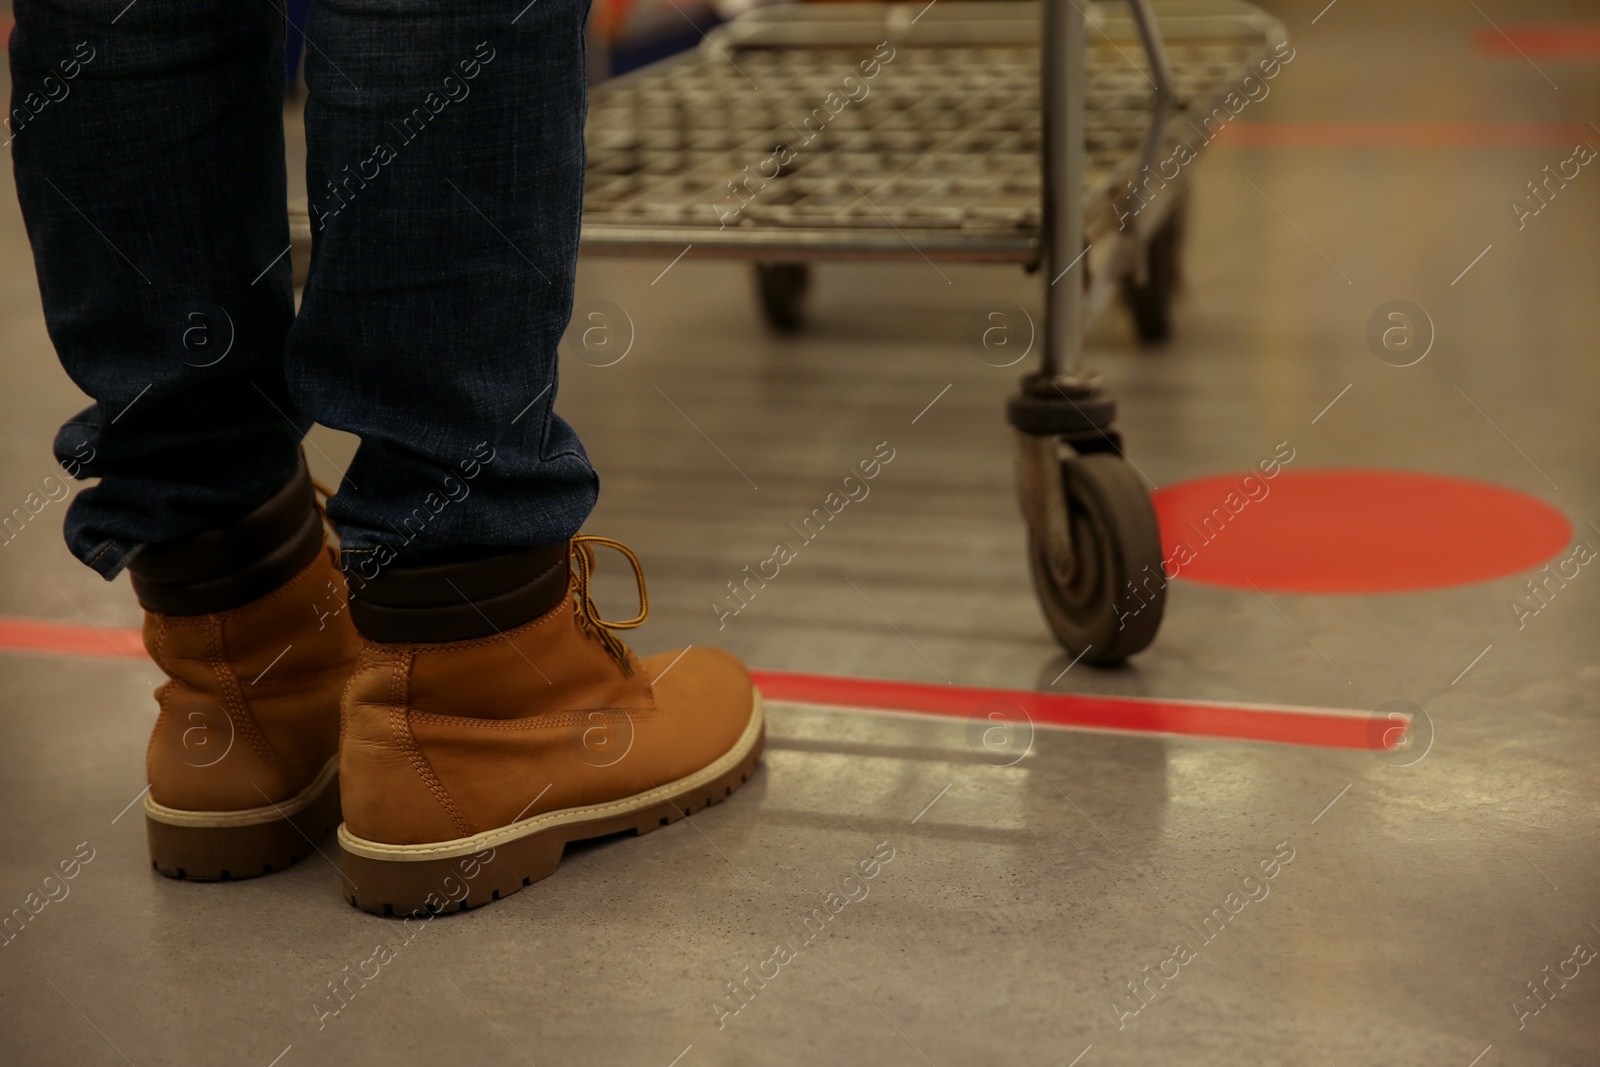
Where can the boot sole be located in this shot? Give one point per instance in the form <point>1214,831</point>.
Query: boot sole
<point>222,846</point>
<point>471,871</point>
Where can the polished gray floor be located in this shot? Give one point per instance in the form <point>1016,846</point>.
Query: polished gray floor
<point>1419,900</point>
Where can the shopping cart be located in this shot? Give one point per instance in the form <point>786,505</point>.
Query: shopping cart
<point>755,146</point>
<point>901,131</point>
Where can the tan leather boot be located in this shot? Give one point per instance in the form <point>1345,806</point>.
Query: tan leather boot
<point>243,763</point>
<point>467,766</point>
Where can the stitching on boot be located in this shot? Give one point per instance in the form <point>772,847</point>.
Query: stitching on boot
<point>400,727</point>
<point>570,717</point>
<point>164,689</point>
<point>344,701</point>
<point>238,709</point>
<point>626,804</point>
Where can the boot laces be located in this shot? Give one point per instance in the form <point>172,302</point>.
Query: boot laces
<point>588,612</point>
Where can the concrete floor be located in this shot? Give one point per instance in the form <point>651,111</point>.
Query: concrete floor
<point>1018,907</point>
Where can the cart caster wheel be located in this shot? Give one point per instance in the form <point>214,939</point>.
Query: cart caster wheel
<point>1151,301</point>
<point>782,288</point>
<point>1108,603</point>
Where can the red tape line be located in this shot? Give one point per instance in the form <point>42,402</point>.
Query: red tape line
<point>1318,727</point>
<point>69,638</point>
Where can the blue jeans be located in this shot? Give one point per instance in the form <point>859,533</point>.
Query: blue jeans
<point>445,169</point>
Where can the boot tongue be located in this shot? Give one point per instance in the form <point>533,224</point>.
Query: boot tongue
<point>229,566</point>
<point>458,599</point>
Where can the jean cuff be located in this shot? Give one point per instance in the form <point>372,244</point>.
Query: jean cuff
<point>108,558</point>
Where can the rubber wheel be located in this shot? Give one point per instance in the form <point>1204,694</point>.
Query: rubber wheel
<point>782,290</point>
<point>1111,605</point>
<point>1151,302</point>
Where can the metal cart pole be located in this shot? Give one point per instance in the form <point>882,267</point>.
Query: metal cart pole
<point>1064,90</point>
<point>1049,392</point>
<point>1061,57</point>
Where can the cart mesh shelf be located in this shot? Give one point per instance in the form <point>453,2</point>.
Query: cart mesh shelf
<point>940,147</point>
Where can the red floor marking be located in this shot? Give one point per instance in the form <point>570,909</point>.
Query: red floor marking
<point>1572,40</point>
<point>69,638</point>
<point>1353,531</point>
<point>1319,727</point>
<point>1404,135</point>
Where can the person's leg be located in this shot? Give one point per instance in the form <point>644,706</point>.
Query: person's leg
<point>148,148</point>
<point>445,170</point>
<point>148,151</point>
<point>493,715</point>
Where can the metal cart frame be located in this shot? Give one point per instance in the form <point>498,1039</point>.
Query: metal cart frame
<point>1094,545</point>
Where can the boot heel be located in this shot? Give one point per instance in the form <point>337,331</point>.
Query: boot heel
<point>455,883</point>
<point>220,846</point>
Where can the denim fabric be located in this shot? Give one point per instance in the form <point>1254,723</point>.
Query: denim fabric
<point>445,170</point>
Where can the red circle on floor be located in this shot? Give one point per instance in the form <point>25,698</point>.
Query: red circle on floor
<point>1352,530</point>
